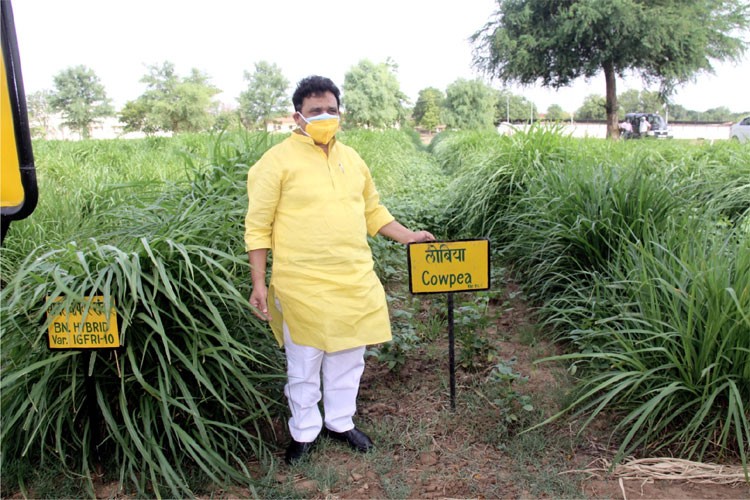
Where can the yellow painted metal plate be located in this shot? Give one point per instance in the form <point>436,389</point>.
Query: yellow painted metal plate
<point>449,266</point>
<point>86,326</point>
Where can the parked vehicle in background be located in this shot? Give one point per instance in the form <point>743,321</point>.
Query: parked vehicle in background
<point>740,131</point>
<point>659,128</point>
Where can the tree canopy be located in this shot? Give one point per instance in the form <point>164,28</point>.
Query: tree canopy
<point>427,109</point>
<point>372,95</point>
<point>635,101</point>
<point>39,110</point>
<point>554,43</point>
<point>515,108</point>
<point>80,96</point>
<point>593,108</point>
<point>556,113</point>
<point>266,96</point>
<point>470,104</point>
<point>171,103</point>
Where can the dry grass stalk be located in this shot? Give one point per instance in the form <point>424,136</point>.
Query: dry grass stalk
<point>646,469</point>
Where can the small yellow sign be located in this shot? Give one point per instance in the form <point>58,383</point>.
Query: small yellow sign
<point>449,266</point>
<point>86,326</point>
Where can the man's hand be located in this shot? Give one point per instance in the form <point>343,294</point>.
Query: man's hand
<point>259,302</point>
<point>395,231</point>
<point>259,295</point>
<point>420,236</point>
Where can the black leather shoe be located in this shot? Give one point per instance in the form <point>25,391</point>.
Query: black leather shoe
<point>357,439</point>
<point>297,451</point>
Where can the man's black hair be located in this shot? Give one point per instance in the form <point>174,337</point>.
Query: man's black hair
<point>314,86</point>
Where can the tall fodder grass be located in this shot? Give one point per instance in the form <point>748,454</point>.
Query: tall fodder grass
<point>669,350</point>
<point>399,163</point>
<point>642,268</point>
<point>80,180</point>
<point>574,219</point>
<point>490,172</point>
<point>637,255</point>
<point>189,396</point>
<point>455,151</point>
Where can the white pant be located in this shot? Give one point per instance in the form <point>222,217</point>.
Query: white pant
<point>342,371</point>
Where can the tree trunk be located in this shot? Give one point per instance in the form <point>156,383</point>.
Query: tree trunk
<point>613,130</point>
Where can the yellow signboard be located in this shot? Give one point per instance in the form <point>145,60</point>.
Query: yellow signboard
<point>449,266</point>
<point>85,326</point>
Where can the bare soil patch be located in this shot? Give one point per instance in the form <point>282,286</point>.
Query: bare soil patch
<point>428,450</point>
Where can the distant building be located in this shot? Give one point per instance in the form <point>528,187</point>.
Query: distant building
<point>109,127</point>
<point>281,124</point>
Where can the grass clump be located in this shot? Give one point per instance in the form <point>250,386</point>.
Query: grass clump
<point>191,392</point>
<point>671,355</point>
<point>573,220</point>
<point>487,181</point>
<point>636,254</point>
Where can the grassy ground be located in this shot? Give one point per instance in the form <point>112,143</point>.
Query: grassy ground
<point>427,450</point>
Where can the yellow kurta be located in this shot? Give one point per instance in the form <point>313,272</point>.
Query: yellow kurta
<point>314,212</point>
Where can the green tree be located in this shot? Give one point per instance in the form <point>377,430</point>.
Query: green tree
<point>372,95</point>
<point>678,112</point>
<point>266,95</point>
<point>193,108</point>
<point>171,103</point>
<point>514,108</point>
<point>470,104</point>
<point>227,119</point>
<point>427,109</point>
<point>634,101</point>
<point>81,98</point>
<point>138,116</point>
<point>40,110</point>
<point>720,114</point>
<point>555,113</point>
<point>555,43</point>
<point>594,107</point>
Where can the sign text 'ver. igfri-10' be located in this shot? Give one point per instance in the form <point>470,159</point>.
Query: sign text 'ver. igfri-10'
<point>84,326</point>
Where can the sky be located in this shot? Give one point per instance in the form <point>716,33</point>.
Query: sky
<point>427,39</point>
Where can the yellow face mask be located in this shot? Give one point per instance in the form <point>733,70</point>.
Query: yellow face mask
<point>321,128</point>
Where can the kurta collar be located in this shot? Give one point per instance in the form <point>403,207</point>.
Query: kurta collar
<point>303,138</point>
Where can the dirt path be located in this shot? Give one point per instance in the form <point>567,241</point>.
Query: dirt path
<point>427,450</point>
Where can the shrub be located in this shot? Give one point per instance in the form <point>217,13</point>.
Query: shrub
<point>195,384</point>
<point>670,352</point>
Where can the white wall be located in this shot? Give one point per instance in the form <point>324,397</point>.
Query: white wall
<point>111,128</point>
<point>107,128</point>
<point>599,130</point>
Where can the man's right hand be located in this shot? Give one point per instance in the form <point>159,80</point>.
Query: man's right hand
<point>259,295</point>
<point>259,302</point>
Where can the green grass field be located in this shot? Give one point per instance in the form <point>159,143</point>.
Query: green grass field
<point>635,256</point>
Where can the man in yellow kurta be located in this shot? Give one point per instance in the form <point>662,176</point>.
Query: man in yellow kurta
<point>312,201</point>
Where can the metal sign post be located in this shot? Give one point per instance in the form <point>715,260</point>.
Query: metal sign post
<point>451,351</point>
<point>449,267</point>
<point>93,411</point>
